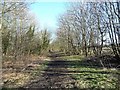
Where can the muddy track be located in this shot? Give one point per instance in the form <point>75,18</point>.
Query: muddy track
<point>53,76</point>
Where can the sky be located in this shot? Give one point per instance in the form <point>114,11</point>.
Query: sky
<point>47,14</point>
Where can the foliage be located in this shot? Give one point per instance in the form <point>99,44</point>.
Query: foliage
<point>19,29</point>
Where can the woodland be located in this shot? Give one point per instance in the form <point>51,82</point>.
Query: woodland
<point>84,55</point>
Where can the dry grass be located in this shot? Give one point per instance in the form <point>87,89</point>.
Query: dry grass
<point>17,73</point>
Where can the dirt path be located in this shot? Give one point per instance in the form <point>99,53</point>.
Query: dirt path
<point>54,76</point>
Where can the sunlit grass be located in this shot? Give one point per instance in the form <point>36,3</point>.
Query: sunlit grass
<point>91,80</point>
<point>73,57</point>
<point>87,75</point>
<point>95,78</point>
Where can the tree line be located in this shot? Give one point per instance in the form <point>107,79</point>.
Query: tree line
<point>85,28</point>
<point>19,32</point>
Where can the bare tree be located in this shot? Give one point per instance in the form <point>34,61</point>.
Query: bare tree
<point>85,27</point>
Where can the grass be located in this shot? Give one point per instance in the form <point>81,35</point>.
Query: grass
<point>94,78</point>
<point>91,80</point>
<point>88,76</point>
<point>73,57</point>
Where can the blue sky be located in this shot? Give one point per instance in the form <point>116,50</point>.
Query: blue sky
<point>47,13</point>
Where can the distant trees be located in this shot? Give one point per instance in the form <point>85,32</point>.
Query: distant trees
<point>44,41</point>
<point>85,27</point>
<point>20,35</point>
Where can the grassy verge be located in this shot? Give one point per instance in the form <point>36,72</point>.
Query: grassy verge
<point>91,75</point>
<point>91,80</point>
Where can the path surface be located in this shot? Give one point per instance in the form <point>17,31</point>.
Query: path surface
<point>55,75</point>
